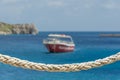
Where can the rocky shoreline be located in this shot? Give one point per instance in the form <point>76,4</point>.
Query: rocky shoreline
<point>110,35</point>
<point>6,29</point>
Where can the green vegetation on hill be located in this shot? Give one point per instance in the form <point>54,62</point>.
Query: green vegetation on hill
<point>5,27</point>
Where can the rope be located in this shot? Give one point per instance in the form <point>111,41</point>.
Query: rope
<point>60,67</point>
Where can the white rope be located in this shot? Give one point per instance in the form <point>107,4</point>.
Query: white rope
<point>60,67</point>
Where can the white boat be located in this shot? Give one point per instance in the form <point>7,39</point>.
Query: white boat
<point>59,43</point>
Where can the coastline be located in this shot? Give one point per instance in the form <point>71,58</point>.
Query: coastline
<point>110,35</point>
<point>7,29</point>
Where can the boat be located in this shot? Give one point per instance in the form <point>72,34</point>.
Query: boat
<point>59,43</point>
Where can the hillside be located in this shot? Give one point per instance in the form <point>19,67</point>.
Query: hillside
<point>6,28</point>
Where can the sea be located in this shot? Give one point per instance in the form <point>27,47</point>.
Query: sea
<point>89,47</point>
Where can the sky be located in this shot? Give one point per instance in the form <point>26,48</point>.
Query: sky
<point>63,15</point>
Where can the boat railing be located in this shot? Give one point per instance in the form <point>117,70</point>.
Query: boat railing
<point>57,41</point>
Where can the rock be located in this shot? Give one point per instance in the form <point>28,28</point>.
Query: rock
<point>17,28</point>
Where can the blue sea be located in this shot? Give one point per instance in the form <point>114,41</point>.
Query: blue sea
<point>89,47</point>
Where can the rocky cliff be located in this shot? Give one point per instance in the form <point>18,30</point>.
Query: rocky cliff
<point>17,28</point>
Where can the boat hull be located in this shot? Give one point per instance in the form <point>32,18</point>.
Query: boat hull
<point>59,48</point>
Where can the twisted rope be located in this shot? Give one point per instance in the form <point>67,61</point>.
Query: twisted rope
<point>60,67</point>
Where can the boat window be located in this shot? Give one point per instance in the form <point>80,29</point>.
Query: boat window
<point>62,39</point>
<point>65,39</point>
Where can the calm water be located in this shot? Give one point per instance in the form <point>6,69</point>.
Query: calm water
<point>89,46</point>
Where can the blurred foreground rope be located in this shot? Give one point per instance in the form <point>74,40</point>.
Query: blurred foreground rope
<point>60,67</point>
